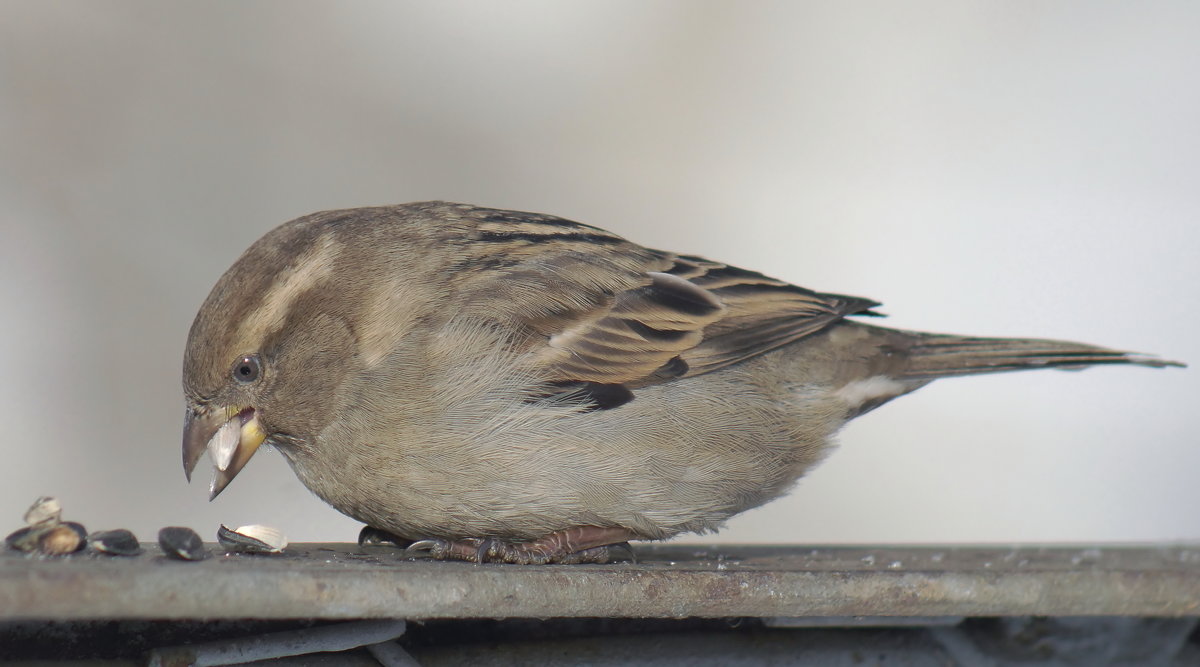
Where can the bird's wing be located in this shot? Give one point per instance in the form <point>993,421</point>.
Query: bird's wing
<point>606,312</point>
<point>760,314</point>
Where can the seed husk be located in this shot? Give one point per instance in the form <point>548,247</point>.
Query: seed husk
<point>65,538</point>
<point>119,542</point>
<point>253,539</point>
<point>181,543</point>
<point>44,511</point>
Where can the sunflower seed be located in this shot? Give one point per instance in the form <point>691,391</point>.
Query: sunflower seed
<point>118,542</point>
<point>181,543</point>
<point>26,539</point>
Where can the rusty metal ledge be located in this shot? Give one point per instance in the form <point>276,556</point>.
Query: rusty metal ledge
<point>342,581</point>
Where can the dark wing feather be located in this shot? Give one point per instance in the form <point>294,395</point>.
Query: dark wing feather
<point>761,313</point>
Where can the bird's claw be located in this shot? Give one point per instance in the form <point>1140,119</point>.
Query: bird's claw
<point>432,548</point>
<point>472,550</point>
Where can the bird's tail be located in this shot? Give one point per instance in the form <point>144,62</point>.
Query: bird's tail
<point>932,356</point>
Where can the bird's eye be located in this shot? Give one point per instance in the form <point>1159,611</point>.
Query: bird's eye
<point>247,369</point>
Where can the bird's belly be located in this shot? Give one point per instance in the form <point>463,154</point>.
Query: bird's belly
<point>656,472</point>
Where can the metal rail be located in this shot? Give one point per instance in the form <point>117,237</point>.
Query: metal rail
<point>345,581</point>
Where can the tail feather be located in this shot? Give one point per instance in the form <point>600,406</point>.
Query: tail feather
<point>931,356</point>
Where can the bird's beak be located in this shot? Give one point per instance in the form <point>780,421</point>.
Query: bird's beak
<point>231,435</point>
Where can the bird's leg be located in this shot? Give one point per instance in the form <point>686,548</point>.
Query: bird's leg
<point>580,544</point>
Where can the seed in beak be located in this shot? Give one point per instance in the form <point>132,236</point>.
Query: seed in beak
<point>224,443</point>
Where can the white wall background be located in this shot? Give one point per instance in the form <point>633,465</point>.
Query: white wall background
<point>981,167</point>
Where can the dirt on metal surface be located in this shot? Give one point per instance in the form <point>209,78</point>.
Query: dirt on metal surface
<point>344,581</point>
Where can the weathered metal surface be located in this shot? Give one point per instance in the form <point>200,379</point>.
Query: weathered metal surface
<point>1084,641</point>
<point>336,637</point>
<point>337,581</point>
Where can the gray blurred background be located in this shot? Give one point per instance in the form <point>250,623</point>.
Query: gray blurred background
<point>980,167</point>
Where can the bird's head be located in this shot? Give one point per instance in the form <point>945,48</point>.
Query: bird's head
<point>267,351</point>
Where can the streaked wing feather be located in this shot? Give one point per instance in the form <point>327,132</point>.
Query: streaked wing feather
<point>603,312</point>
<point>643,330</point>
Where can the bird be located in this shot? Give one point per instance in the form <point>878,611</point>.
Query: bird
<point>489,385</point>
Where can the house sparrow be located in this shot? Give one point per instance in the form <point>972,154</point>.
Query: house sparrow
<point>492,385</point>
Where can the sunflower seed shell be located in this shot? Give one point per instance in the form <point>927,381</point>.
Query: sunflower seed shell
<point>252,539</point>
<point>44,511</point>
<point>65,538</point>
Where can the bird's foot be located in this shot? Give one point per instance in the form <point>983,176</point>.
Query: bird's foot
<point>581,544</point>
